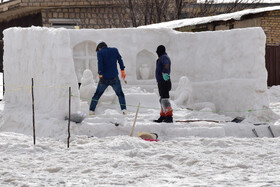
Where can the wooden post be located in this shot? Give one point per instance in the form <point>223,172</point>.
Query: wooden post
<point>69,116</point>
<point>3,84</point>
<point>135,119</point>
<point>33,113</point>
<point>271,132</point>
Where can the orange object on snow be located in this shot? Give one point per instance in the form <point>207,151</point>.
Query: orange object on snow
<point>152,137</point>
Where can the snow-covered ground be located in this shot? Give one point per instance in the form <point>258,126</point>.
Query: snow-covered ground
<point>129,161</point>
<point>187,154</point>
<point>180,160</point>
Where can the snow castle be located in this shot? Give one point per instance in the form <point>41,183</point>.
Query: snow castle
<point>226,68</point>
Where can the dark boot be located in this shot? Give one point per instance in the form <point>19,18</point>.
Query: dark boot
<point>160,119</point>
<point>168,119</point>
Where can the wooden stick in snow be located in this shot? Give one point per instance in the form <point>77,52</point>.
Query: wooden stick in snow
<point>198,120</point>
<point>135,119</point>
<point>69,116</point>
<point>33,113</point>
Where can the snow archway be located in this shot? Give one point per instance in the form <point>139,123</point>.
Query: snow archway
<point>84,56</point>
<point>145,65</point>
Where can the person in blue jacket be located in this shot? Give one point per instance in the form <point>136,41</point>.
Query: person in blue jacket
<point>108,75</point>
<point>163,69</point>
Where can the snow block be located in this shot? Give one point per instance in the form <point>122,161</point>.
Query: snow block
<point>226,68</point>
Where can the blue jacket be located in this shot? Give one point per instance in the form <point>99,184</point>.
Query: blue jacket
<point>107,62</point>
<point>163,66</point>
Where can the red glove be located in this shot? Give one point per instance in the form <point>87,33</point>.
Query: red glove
<point>100,76</point>
<point>123,74</point>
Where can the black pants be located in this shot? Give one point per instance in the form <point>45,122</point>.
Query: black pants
<point>163,88</point>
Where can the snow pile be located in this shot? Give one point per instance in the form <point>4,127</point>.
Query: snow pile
<point>183,93</point>
<point>223,77</point>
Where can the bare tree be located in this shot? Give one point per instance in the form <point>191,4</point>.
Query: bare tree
<point>161,7</point>
<point>132,12</point>
<point>237,5</point>
<point>143,12</point>
<point>179,4</point>
<point>213,7</point>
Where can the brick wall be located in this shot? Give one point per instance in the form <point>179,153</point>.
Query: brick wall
<point>271,25</point>
<point>90,13</point>
<point>92,17</point>
<point>269,21</point>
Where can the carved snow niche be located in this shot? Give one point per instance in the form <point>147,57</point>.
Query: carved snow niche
<point>145,65</point>
<point>85,57</point>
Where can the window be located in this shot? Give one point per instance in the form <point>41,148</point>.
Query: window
<point>85,57</point>
<point>65,23</point>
